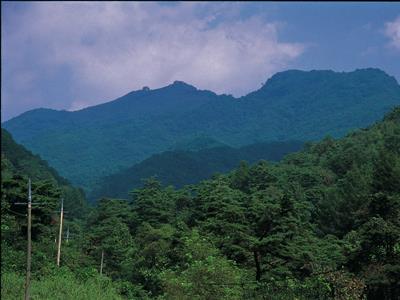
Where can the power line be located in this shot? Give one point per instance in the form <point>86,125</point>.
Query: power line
<point>14,212</point>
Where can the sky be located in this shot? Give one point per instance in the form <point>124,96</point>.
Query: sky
<point>71,55</point>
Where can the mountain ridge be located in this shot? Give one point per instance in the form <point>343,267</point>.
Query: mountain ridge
<point>291,105</point>
<point>193,88</point>
<point>183,167</point>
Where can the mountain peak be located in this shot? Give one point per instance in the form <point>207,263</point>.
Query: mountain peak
<point>301,105</point>
<point>182,85</point>
<point>298,79</point>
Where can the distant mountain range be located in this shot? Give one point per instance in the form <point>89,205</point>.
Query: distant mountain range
<point>94,142</point>
<point>180,167</point>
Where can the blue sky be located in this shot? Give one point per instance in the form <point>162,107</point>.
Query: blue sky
<point>69,56</point>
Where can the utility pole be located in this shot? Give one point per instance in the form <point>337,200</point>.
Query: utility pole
<point>29,255</point>
<point>101,263</point>
<point>29,237</point>
<point>67,234</point>
<point>60,232</point>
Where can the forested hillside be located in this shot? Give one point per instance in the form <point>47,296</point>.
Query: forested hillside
<point>180,167</point>
<point>323,223</point>
<point>291,105</point>
<point>17,165</point>
<point>18,162</point>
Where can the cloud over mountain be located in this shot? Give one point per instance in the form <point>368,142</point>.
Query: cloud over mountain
<point>109,48</point>
<point>392,30</point>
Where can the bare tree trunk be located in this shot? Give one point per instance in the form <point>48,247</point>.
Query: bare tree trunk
<point>257,260</point>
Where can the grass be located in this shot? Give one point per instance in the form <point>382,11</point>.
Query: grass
<point>63,286</point>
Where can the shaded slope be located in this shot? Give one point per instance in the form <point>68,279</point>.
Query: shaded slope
<point>20,162</point>
<point>292,105</point>
<point>179,168</point>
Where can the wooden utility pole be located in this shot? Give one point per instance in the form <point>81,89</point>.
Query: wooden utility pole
<point>67,234</point>
<point>60,232</point>
<point>29,236</point>
<point>29,254</point>
<point>101,263</point>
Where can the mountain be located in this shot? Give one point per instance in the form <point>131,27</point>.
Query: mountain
<point>97,141</point>
<point>23,161</point>
<point>197,143</point>
<point>323,223</point>
<point>18,163</point>
<point>179,167</point>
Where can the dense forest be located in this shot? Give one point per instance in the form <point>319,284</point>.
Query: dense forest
<point>291,105</point>
<point>183,167</point>
<point>16,159</point>
<point>323,223</point>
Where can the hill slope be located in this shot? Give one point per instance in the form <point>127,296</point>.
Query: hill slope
<point>292,105</point>
<point>179,168</point>
<point>19,163</point>
<point>23,161</point>
<point>323,223</point>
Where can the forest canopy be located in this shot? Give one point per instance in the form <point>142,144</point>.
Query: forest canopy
<point>324,223</point>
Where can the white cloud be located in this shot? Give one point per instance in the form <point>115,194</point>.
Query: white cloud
<point>392,30</point>
<point>115,47</point>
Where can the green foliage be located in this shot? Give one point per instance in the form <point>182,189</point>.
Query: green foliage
<point>292,105</point>
<point>181,167</point>
<point>109,233</point>
<point>19,162</point>
<point>206,274</point>
<point>63,285</point>
<point>323,223</point>
<point>24,161</point>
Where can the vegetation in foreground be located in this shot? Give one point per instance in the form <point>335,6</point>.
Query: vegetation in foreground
<point>323,223</point>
